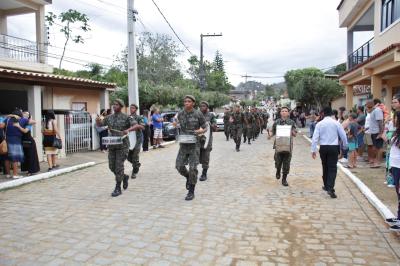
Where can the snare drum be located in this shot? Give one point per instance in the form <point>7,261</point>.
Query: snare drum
<point>187,139</point>
<point>112,140</point>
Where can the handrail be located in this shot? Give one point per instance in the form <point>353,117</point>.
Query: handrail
<point>361,54</point>
<point>18,48</point>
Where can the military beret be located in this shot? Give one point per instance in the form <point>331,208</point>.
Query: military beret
<point>119,102</point>
<point>191,97</point>
<point>206,103</point>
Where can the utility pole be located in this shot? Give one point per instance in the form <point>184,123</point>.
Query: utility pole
<point>133,91</point>
<point>202,69</point>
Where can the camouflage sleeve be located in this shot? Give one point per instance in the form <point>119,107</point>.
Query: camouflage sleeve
<point>141,121</point>
<point>105,121</point>
<point>294,126</point>
<point>202,120</point>
<point>274,129</point>
<point>130,121</point>
<point>213,120</point>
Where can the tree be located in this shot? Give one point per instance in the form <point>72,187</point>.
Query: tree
<point>309,86</point>
<point>67,20</point>
<point>157,58</point>
<point>218,65</point>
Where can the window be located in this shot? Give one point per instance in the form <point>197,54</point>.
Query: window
<point>79,106</point>
<point>390,13</point>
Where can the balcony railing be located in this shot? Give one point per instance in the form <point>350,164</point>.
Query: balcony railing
<point>18,49</point>
<point>361,54</point>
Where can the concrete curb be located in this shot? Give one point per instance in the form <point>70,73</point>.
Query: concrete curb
<point>30,179</point>
<point>384,211</point>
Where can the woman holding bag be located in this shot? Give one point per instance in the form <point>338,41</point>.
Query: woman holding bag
<point>51,135</point>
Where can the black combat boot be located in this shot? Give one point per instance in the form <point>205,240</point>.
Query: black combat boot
<point>190,195</point>
<point>117,191</point>
<point>278,174</point>
<point>244,140</point>
<point>284,181</point>
<point>249,142</point>
<point>237,148</point>
<point>125,182</point>
<point>203,175</point>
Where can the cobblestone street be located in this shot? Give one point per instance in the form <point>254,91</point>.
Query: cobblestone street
<point>240,216</point>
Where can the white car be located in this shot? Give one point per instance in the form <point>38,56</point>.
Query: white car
<point>220,121</point>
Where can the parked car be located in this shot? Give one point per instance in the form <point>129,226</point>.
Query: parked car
<point>220,122</point>
<point>169,131</point>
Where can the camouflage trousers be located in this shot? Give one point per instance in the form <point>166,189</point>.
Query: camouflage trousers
<point>133,158</point>
<point>249,133</point>
<point>188,155</point>
<point>282,162</point>
<point>227,131</point>
<point>116,159</point>
<point>205,157</point>
<point>237,135</point>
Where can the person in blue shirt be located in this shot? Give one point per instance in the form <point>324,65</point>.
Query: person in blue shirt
<point>157,121</point>
<point>15,126</point>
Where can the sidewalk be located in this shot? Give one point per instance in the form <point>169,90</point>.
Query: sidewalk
<point>72,160</point>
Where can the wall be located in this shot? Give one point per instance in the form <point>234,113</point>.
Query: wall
<point>389,36</point>
<point>62,98</point>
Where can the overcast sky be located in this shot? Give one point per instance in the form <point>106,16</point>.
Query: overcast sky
<point>260,37</point>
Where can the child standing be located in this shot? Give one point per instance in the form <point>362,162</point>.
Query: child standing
<point>352,132</point>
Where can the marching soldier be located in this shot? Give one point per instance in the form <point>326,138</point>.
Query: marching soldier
<point>133,155</point>
<point>282,159</point>
<point>237,120</point>
<point>205,151</point>
<point>248,126</point>
<point>191,122</point>
<point>227,115</point>
<point>119,124</point>
<point>254,125</point>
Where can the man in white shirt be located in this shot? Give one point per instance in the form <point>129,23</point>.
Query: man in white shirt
<point>327,133</point>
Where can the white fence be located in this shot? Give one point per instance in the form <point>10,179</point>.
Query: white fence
<point>78,132</point>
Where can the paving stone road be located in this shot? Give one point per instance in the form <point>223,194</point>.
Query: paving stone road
<point>241,216</point>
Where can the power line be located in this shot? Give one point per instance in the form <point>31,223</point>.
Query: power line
<point>166,20</point>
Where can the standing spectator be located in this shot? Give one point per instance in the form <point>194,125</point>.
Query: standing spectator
<point>380,105</point>
<point>376,130</point>
<point>157,125</point>
<point>15,127</point>
<point>352,133</point>
<point>395,169</point>
<point>341,114</point>
<point>31,161</point>
<point>328,132</point>
<point>146,131</point>
<point>303,119</point>
<point>3,157</point>
<point>151,128</point>
<point>50,133</point>
<point>102,130</point>
<point>313,122</point>
<point>360,136</point>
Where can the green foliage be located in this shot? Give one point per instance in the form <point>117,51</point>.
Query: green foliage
<point>66,20</point>
<point>309,86</point>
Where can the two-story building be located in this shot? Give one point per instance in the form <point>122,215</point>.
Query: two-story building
<point>376,64</point>
<point>26,79</point>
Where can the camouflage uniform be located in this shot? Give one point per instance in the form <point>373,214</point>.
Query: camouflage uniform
<point>282,159</point>
<point>237,127</point>
<point>248,118</point>
<point>189,153</point>
<point>254,126</point>
<point>133,156</point>
<point>205,151</point>
<point>227,125</point>
<point>117,154</point>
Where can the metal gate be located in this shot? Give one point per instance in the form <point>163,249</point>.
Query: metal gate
<point>78,128</point>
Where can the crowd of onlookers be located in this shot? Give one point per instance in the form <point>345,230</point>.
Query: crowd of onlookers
<point>152,135</point>
<point>373,136</point>
<point>19,152</point>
